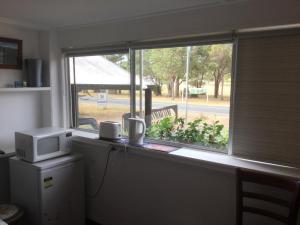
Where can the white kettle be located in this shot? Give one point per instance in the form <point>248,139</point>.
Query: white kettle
<point>137,130</point>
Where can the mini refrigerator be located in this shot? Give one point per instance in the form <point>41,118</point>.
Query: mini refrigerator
<point>50,192</point>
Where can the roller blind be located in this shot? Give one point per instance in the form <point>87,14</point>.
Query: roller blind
<point>266,124</point>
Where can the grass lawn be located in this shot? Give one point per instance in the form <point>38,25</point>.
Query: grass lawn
<point>101,113</point>
<point>115,113</point>
<point>201,100</point>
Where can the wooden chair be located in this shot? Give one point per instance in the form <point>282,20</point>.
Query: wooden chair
<point>292,186</point>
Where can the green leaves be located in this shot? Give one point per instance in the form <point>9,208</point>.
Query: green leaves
<point>195,132</point>
<point>162,130</point>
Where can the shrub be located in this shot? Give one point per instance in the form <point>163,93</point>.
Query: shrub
<point>195,132</point>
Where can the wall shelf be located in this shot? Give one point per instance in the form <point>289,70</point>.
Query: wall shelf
<point>27,89</point>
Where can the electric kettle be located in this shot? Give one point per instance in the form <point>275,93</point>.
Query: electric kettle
<point>137,130</point>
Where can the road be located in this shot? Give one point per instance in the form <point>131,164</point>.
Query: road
<point>217,110</point>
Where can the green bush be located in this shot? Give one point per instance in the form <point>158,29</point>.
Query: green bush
<point>195,132</point>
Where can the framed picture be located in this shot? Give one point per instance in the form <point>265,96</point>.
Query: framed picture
<point>10,53</point>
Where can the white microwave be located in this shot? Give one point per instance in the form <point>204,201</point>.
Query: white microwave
<point>43,143</point>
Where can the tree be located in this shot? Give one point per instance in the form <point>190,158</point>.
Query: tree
<point>220,64</point>
<point>119,59</point>
<point>147,70</point>
<point>168,66</point>
<point>199,64</point>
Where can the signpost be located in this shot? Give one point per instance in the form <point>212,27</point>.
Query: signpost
<point>102,98</point>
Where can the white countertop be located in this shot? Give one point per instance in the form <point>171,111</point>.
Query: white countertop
<point>232,161</point>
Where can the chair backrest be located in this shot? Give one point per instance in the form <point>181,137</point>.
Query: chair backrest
<point>88,121</point>
<point>156,115</point>
<point>161,113</point>
<point>290,185</point>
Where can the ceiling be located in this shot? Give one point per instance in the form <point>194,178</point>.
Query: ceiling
<point>63,13</point>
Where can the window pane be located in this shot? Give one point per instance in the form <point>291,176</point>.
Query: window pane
<point>102,86</point>
<point>190,93</point>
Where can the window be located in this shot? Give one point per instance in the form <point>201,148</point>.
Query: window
<point>182,92</point>
<point>190,95</point>
<point>100,87</point>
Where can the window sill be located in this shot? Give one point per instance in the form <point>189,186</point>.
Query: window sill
<point>81,133</point>
<point>236,162</point>
<point>212,159</point>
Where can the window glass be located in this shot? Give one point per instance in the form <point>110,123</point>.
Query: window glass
<point>183,93</point>
<point>190,88</point>
<point>100,89</point>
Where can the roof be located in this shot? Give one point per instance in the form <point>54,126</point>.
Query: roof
<point>97,70</point>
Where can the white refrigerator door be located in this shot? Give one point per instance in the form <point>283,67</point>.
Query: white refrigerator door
<point>62,193</point>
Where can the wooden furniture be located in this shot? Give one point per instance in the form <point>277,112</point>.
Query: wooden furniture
<point>292,186</point>
<point>10,53</point>
<point>156,115</point>
<point>11,214</point>
<point>161,113</point>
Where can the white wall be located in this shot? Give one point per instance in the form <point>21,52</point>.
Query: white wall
<point>57,79</point>
<point>150,188</point>
<point>247,14</point>
<point>19,111</point>
<point>22,110</point>
<point>146,188</point>
<point>50,52</point>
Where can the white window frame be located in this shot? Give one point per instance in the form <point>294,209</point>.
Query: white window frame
<point>131,48</point>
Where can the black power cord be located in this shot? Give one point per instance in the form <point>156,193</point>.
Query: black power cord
<point>104,175</point>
